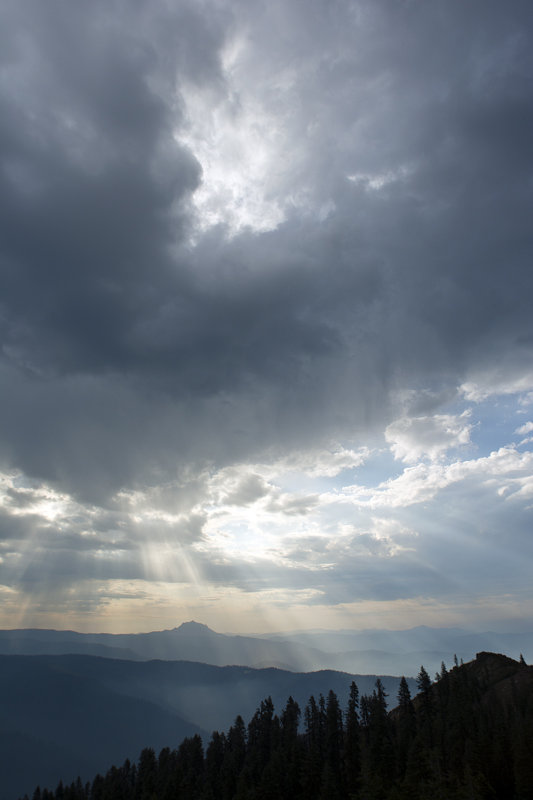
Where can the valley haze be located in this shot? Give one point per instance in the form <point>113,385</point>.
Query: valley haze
<point>477,742</point>
<point>73,715</point>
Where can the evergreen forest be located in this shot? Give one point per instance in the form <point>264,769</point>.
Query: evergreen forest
<point>467,735</point>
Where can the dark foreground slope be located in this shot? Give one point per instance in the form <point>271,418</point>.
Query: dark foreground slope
<point>467,736</point>
<point>61,716</point>
<point>473,733</point>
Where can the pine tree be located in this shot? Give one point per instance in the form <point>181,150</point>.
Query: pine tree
<point>423,681</point>
<point>146,776</point>
<point>352,744</point>
<point>214,761</point>
<point>262,731</point>
<point>289,755</point>
<point>406,725</point>
<point>426,706</point>
<point>380,755</point>
<point>234,757</point>
<point>333,773</point>
<point>314,752</point>
<point>190,767</point>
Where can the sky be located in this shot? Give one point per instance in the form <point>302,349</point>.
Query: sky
<point>266,314</point>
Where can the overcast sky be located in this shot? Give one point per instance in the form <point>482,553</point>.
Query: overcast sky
<point>266,313</point>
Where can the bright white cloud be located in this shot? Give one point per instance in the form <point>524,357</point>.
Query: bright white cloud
<point>238,132</point>
<point>505,467</point>
<point>523,430</point>
<point>412,438</point>
<point>236,146</point>
<point>499,383</point>
<point>384,537</point>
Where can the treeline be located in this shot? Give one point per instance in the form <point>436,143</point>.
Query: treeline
<point>466,736</point>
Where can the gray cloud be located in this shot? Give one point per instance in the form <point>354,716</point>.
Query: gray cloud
<point>247,490</point>
<point>139,350</point>
<point>422,278</point>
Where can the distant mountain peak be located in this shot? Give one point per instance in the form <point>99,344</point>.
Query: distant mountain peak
<point>193,627</point>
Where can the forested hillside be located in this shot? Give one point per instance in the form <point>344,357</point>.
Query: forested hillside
<point>63,716</point>
<point>465,736</point>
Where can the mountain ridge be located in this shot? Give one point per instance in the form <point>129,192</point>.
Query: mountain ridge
<point>75,706</point>
<point>466,734</point>
<point>368,651</point>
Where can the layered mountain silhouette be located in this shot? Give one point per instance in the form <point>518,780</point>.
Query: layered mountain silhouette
<point>370,651</point>
<point>77,714</point>
<point>79,702</point>
<point>465,735</point>
<point>191,641</point>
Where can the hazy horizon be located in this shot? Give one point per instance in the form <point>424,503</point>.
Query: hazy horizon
<point>266,314</point>
<point>506,626</point>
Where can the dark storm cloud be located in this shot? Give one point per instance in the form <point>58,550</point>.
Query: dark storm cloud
<point>90,171</point>
<point>127,352</point>
<point>14,529</point>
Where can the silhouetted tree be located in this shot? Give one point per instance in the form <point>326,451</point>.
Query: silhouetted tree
<point>147,775</point>
<point>333,772</point>
<point>352,744</point>
<point>473,744</point>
